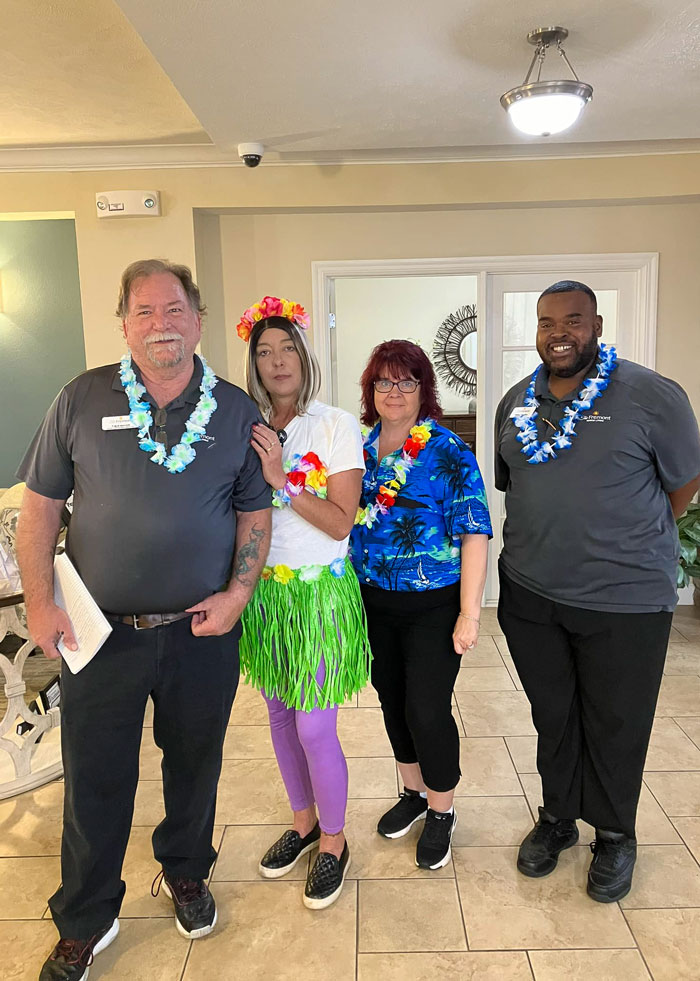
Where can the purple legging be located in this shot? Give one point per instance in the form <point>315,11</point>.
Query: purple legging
<point>311,761</point>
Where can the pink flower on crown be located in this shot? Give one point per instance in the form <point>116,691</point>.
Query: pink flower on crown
<point>272,306</point>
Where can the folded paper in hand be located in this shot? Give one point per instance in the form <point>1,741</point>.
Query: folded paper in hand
<point>90,626</point>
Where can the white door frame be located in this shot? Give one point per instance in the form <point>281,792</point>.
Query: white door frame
<point>644,264</point>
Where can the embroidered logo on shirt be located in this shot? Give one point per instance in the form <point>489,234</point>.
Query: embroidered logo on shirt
<point>595,417</point>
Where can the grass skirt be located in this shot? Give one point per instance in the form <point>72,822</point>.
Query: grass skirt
<point>305,636</point>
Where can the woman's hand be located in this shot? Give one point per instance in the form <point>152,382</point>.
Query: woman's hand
<point>269,449</point>
<point>465,635</point>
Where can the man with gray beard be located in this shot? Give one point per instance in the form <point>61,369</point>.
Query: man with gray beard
<point>170,529</point>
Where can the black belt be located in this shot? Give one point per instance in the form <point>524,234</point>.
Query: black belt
<point>143,621</point>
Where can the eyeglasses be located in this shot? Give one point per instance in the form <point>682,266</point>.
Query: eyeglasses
<point>406,385</point>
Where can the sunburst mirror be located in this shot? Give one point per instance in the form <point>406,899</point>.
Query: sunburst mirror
<point>454,350</point>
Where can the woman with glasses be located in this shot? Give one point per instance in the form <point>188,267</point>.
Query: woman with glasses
<point>419,548</point>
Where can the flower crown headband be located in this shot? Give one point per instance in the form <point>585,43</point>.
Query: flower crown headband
<point>272,306</point>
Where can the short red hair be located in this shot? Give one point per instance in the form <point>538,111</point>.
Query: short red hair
<point>401,359</point>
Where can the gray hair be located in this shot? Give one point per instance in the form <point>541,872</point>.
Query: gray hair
<point>310,370</point>
<point>143,268</point>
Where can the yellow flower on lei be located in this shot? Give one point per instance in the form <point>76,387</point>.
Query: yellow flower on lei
<point>316,479</point>
<point>283,574</point>
<point>421,434</point>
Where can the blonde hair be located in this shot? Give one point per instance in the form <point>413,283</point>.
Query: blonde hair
<point>310,370</point>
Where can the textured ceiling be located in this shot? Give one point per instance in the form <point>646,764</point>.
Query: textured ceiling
<point>77,73</point>
<point>315,81</point>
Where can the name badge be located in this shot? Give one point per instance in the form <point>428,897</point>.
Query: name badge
<point>117,422</point>
<point>522,412</point>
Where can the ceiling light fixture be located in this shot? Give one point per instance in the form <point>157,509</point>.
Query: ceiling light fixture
<point>542,108</point>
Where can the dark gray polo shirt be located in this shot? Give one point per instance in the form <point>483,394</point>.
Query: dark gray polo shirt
<point>145,540</point>
<point>594,527</point>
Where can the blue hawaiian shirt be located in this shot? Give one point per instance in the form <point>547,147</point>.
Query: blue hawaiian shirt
<point>416,544</point>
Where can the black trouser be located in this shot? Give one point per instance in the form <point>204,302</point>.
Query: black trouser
<point>593,680</point>
<point>192,681</point>
<point>414,672</point>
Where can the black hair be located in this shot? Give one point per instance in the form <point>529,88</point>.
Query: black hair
<point>571,286</point>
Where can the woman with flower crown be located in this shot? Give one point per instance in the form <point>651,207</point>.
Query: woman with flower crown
<point>419,547</point>
<point>304,638</point>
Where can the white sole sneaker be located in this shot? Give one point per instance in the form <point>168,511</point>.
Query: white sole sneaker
<point>329,900</point>
<point>404,831</point>
<point>445,859</point>
<point>278,873</point>
<point>193,934</point>
<point>101,944</point>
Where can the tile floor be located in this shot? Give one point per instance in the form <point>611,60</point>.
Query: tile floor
<point>474,920</point>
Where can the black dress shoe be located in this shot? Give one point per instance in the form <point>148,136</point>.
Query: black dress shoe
<point>325,880</point>
<point>610,873</point>
<point>539,852</point>
<point>281,857</point>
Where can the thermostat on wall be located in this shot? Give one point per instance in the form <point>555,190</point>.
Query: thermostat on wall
<point>127,204</point>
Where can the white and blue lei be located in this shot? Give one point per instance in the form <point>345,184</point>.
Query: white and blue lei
<point>195,428</point>
<point>524,419</point>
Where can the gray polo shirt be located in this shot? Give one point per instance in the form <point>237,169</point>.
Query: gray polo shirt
<point>594,528</point>
<point>145,540</point>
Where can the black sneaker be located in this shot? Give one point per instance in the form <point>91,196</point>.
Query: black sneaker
<point>610,874</point>
<point>399,819</point>
<point>324,882</point>
<point>195,909</point>
<point>281,857</point>
<point>435,843</point>
<point>70,960</point>
<point>539,852</point>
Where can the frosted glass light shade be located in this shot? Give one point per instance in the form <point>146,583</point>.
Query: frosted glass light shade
<point>546,108</point>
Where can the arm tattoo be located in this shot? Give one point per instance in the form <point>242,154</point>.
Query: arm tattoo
<point>247,555</point>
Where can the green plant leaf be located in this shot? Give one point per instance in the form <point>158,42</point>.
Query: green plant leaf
<point>689,553</point>
<point>682,577</point>
<point>693,571</point>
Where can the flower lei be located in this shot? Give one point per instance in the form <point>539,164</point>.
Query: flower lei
<point>593,388</point>
<point>386,498</point>
<point>305,472</point>
<point>195,428</point>
<point>307,573</point>
<point>272,306</point>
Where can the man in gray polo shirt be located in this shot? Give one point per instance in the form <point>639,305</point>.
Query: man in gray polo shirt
<point>597,455</point>
<point>170,528</point>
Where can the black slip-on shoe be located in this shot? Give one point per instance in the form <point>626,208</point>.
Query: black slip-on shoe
<point>400,818</point>
<point>195,909</point>
<point>281,857</point>
<point>325,880</point>
<point>435,843</point>
<point>539,852</point>
<point>610,872</point>
<point>70,960</point>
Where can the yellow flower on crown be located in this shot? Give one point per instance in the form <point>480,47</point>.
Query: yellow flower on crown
<point>283,574</point>
<point>266,573</point>
<point>421,434</point>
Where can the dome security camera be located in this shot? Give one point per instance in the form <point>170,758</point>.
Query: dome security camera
<point>251,153</point>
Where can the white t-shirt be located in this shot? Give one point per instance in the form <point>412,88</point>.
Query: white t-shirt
<point>334,436</point>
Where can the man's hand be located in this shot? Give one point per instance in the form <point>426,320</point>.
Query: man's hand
<point>47,626</point>
<point>215,615</point>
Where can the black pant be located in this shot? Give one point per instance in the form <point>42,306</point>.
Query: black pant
<point>192,681</point>
<point>414,672</point>
<point>593,680</point>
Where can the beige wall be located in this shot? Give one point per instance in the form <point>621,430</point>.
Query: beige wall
<point>273,251</point>
<point>273,254</point>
